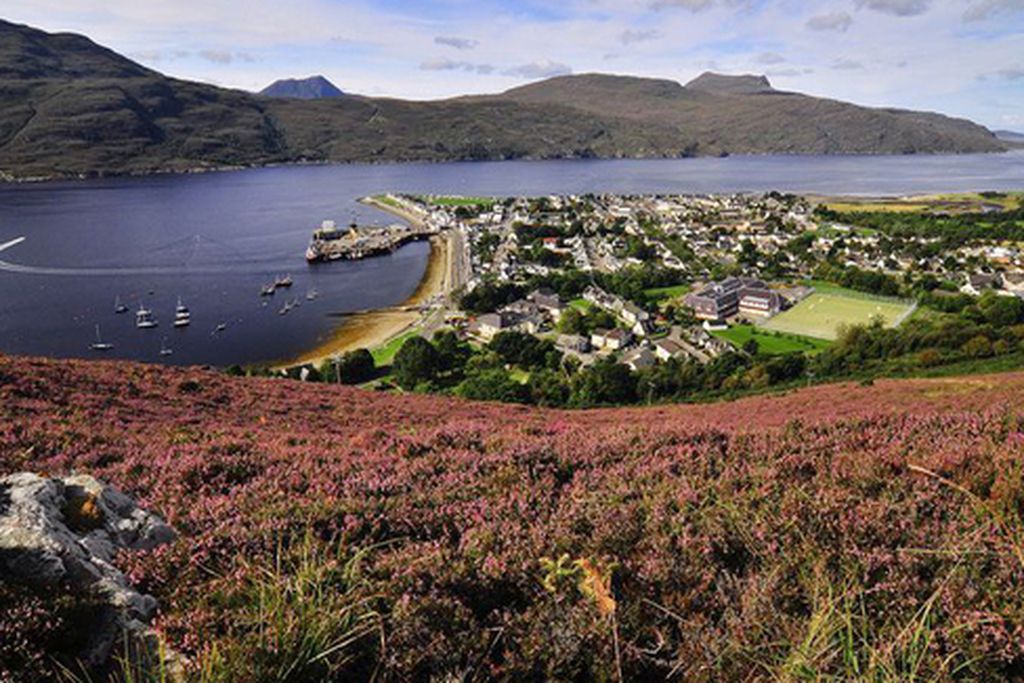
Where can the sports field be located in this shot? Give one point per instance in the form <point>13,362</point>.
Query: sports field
<point>821,314</point>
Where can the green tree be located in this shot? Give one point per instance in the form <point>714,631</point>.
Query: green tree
<point>415,363</point>
<point>604,382</point>
<point>355,367</point>
<point>492,385</point>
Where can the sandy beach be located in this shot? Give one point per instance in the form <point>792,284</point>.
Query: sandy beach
<point>375,328</point>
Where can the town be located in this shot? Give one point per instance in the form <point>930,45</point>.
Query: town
<point>643,281</point>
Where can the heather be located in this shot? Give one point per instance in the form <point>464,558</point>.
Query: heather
<point>841,532</point>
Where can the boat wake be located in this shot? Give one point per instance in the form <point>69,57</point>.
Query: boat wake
<point>7,266</point>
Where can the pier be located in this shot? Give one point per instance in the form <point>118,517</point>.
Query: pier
<point>330,243</point>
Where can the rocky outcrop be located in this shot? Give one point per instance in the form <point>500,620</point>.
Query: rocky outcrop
<point>65,533</point>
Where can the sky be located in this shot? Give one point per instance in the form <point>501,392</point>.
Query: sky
<point>959,57</point>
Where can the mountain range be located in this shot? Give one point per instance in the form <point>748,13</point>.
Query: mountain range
<point>70,107</point>
<point>312,88</point>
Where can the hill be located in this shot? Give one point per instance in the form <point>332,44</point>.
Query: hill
<point>70,107</point>
<point>836,533</point>
<point>312,88</point>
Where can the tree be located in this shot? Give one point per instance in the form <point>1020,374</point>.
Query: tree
<point>492,385</point>
<point>978,347</point>
<point>452,351</point>
<point>548,388</point>
<point>355,367</point>
<point>604,382</point>
<point>415,363</point>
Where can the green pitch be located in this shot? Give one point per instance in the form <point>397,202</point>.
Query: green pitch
<point>821,314</point>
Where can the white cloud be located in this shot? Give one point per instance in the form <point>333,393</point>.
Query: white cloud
<point>898,8</point>
<point>769,58</point>
<point>630,36</point>
<point>833,21</point>
<point>456,42</point>
<point>987,9</point>
<point>442,64</point>
<point>541,69</point>
<point>845,64</point>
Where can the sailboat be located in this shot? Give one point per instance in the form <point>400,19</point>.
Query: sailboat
<point>144,318</point>
<point>182,316</point>
<point>99,344</point>
<point>164,349</point>
<point>119,306</point>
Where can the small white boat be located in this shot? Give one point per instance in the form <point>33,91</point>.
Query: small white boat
<point>144,318</point>
<point>119,306</point>
<point>164,349</point>
<point>220,328</point>
<point>268,290</point>
<point>182,316</point>
<point>312,294</point>
<point>285,281</point>
<point>99,344</point>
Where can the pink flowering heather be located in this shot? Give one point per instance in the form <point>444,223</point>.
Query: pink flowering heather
<point>840,532</point>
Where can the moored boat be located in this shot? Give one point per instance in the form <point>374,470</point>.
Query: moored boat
<point>144,318</point>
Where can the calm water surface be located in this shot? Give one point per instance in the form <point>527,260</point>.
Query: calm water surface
<point>215,239</point>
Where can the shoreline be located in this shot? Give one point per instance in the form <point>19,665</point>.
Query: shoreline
<point>375,328</point>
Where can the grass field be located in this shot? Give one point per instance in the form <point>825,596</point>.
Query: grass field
<point>383,355</point>
<point>821,314</point>
<point>772,343</point>
<point>461,201</point>
<point>667,293</point>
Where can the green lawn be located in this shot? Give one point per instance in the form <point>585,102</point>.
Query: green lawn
<point>383,355</point>
<point>581,305</point>
<point>770,342</point>
<point>821,314</point>
<point>673,292</point>
<point>486,202</point>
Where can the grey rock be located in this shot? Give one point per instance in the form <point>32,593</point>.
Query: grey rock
<point>41,546</point>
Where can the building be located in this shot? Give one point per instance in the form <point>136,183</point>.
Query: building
<point>717,300</point>
<point>762,302</point>
<point>610,340</point>
<point>666,349</point>
<point>546,300</point>
<point>573,343</point>
<point>639,359</point>
<point>633,314</point>
<point>721,300</point>
<point>490,324</point>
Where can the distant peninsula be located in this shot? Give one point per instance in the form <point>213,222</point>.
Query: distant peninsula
<point>72,108</point>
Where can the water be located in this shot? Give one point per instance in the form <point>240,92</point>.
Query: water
<point>216,239</point>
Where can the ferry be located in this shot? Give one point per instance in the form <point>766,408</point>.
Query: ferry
<point>144,318</point>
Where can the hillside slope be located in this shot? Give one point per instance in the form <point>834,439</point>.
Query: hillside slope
<point>836,533</point>
<point>71,107</point>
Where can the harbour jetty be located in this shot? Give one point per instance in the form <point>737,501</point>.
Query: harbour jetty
<point>330,243</point>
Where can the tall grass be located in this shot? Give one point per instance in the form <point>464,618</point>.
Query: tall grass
<point>307,617</point>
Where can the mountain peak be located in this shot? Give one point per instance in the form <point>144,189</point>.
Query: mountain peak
<point>312,88</point>
<point>724,84</point>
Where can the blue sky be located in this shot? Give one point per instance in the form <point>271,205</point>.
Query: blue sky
<point>961,57</point>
